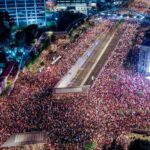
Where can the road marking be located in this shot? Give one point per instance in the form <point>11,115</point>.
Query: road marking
<point>94,65</point>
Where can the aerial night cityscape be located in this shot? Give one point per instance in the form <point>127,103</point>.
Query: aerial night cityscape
<point>74,74</point>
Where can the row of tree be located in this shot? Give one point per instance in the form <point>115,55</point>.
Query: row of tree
<point>13,42</point>
<point>22,37</point>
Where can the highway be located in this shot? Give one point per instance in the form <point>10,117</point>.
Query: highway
<point>94,63</point>
<point>89,65</point>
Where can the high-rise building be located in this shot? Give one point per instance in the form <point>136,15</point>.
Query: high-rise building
<point>25,12</point>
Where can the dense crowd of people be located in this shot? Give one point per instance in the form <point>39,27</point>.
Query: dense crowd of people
<point>117,101</point>
<point>124,93</point>
<point>30,86</point>
<point>31,82</point>
<point>140,6</point>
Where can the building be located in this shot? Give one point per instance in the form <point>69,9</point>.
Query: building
<point>71,1</point>
<point>25,12</point>
<point>144,56</point>
<point>82,8</point>
<point>35,140</point>
<point>144,60</point>
<point>73,5</point>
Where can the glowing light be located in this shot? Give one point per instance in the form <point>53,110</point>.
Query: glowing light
<point>121,16</point>
<point>56,18</point>
<point>148,77</point>
<point>142,17</point>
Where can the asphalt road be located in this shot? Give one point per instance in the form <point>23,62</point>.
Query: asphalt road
<point>95,62</point>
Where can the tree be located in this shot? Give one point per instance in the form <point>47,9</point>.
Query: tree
<point>114,146</point>
<point>104,147</point>
<point>20,38</point>
<point>6,24</point>
<point>31,33</point>
<point>52,25</point>
<point>2,57</point>
<point>119,147</point>
<point>139,145</point>
<point>90,146</point>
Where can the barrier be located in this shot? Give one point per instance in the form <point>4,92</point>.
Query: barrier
<point>57,59</point>
<point>140,131</point>
<point>71,89</point>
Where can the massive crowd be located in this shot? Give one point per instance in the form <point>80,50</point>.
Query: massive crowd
<point>124,93</point>
<point>30,86</point>
<point>29,82</point>
<point>118,100</point>
<point>140,6</point>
